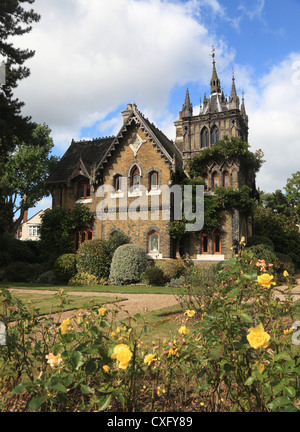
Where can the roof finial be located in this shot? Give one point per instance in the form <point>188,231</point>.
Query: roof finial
<point>215,82</point>
<point>213,50</point>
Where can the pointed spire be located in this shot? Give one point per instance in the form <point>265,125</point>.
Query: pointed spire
<point>187,108</point>
<point>215,86</point>
<point>234,101</point>
<point>243,110</point>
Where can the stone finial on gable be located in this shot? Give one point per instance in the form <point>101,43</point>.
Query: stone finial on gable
<point>126,113</point>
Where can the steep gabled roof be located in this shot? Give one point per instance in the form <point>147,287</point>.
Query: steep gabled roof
<point>87,153</point>
<point>169,151</point>
<point>93,155</point>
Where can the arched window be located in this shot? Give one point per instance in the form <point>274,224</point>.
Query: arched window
<point>84,189</point>
<point>215,136</point>
<point>215,180</point>
<point>217,242</point>
<point>204,138</point>
<point>153,180</point>
<point>118,183</point>
<point>153,239</point>
<point>135,179</point>
<point>204,243</point>
<point>226,182</point>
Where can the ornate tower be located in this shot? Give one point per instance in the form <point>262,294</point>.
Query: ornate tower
<point>218,116</point>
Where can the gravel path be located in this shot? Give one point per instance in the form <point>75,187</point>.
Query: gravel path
<point>127,304</point>
<point>131,304</point>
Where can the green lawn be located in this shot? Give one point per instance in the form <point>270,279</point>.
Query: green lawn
<point>126,289</point>
<point>49,303</point>
<point>161,324</point>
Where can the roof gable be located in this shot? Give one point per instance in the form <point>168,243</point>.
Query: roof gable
<point>166,147</point>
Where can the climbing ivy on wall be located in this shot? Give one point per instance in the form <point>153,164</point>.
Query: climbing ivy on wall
<point>222,199</point>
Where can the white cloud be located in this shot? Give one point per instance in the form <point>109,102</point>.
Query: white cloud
<point>274,111</point>
<point>93,57</point>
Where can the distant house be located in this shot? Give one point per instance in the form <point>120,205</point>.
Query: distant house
<point>31,228</point>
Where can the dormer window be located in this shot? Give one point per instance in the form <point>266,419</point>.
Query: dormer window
<point>84,189</point>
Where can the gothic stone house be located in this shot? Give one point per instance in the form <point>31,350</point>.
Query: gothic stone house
<point>141,157</point>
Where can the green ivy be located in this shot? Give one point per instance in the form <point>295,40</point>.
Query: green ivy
<point>226,148</point>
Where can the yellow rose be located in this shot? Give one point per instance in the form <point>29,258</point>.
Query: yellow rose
<point>183,330</point>
<point>265,280</point>
<point>285,273</point>
<point>189,313</point>
<point>122,354</point>
<point>106,368</point>
<point>53,360</point>
<point>149,358</point>
<point>65,326</point>
<point>102,311</point>
<point>258,338</point>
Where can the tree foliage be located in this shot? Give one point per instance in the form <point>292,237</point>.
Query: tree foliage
<point>281,229</point>
<point>22,183</point>
<point>58,226</point>
<point>292,189</point>
<point>15,20</point>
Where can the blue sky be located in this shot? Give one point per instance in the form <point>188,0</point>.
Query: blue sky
<point>92,58</point>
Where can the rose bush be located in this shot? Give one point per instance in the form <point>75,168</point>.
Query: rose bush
<point>231,350</point>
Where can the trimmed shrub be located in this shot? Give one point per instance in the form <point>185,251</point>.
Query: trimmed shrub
<point>83,278</point>
<point>48,277</point>
<point>128,264</point>
<point>65,267</point>
<point>94,257</point>
<point>260,240</point>
<point>154,276</point>
<point>172,269</point>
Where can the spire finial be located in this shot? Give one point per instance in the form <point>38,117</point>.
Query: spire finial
<point>215,82</point>
<point>213,50</point>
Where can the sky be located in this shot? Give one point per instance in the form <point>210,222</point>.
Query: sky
<point>94,57</point>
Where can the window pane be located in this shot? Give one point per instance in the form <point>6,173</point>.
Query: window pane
<point>90,235</point>
<point>226,180</point>
<point>154,242</point>
<point>136,182</point>
<point>81,190</point>
<point>88,189</point>
<point>82,237</point>
<point>217,243</point>
<point>216,181</point>
<point>118,184</point>
<point>154,182</point>
<point>204,243</point>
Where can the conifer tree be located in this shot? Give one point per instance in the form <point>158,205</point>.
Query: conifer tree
<point>15,20</point>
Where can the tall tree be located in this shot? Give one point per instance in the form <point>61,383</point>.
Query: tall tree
<point>22,183</point>
<point>15,20</point>
<point>292,189</point>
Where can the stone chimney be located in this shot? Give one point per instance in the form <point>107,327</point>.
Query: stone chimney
<point>25,217</point>
<point>126,113</point>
